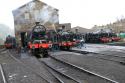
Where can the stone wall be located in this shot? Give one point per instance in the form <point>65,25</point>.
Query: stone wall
<point>35,11</point>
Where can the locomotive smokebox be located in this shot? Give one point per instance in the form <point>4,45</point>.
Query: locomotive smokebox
<point>37,23</point>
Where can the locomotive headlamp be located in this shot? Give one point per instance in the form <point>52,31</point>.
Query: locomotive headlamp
<point>64,43</point>
<point>50,45</point>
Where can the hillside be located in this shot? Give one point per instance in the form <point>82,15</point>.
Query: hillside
<point>4,31</point>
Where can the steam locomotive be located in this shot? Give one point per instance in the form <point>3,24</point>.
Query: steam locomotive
<point>10,42</point>
<point>40,41</point>
<point>101,37</point>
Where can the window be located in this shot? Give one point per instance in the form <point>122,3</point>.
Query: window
<point>27,16</point>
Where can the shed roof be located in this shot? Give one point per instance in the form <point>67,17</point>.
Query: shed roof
<point>31,2</point>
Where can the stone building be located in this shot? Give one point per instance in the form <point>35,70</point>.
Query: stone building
<point>34,11</point>
<point>117,27</point>
<point>67,26</point>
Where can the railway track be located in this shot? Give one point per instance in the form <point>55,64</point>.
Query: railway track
<point>64,72</point>
<point>63,78</point>
<point>113,53</point>
<point>2,75</point>
<point>1,50</point>
<point>56,77</point>
<point>104,56</point>
<point>23,68</point>
<point>74,72</point>
<point>32,66</point>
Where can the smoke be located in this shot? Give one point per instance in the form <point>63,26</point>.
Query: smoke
<point>34,12</point>
<point>45,14</point>
<point>48,14</point>
<point>31,6</point>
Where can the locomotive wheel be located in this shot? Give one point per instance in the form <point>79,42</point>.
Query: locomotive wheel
<point>67,48</point>
<point>61,48</point>
<point>44,53</point>
<point>41,55</point>
<point>35,53</point>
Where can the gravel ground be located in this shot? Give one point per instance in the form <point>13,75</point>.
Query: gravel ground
<point>101,47</point>
<point>76,74</point>
<point>105,51</point>
<point>108,57</point>
<point>16,72</point>
<point>106,68</point>
<point>117,44</point>
<point>105,46</point>
<point>115,53</point>
<point>36,66</point>
<point>61,77</point>
<point>1,78</point>
<point>1,50</point>
<point>5,58</point>
<point>114,58</point>
<point>40,69</point>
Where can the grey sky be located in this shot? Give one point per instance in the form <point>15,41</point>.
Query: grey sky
<point>84,13</point>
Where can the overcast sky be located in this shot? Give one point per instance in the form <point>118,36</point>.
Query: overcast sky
<point>84,13</point>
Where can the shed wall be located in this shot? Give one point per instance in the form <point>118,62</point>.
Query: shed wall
<point>35,11</point>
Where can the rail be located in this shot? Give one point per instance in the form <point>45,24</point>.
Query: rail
<point>113,81</point>
<point>3,74</point>
<point>2,46</point>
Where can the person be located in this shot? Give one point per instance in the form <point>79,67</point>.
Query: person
<point>82,42</point>
<point>55,45</point>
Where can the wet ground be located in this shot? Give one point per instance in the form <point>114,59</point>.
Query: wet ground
<point>15,72</point>
<point>100,48</point>
<point>109,69</point>
<point>117,44</point>
<point>33,70</point>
